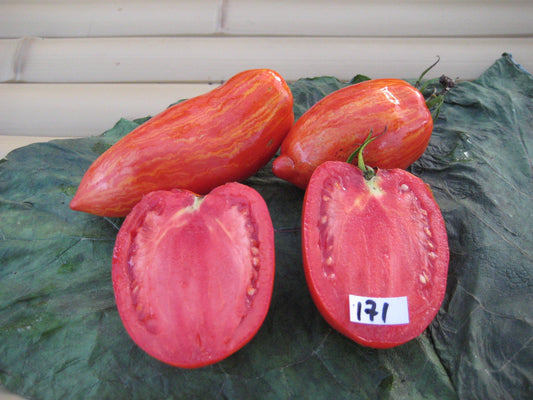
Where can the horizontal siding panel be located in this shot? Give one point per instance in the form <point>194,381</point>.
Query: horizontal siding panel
<point>385,18</point>
<point>217,59</point>
<point>79,18</point>
<point>57,110</point>
<point>9,56</point>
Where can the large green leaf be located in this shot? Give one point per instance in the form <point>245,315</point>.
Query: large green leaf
<point>61,337</point>
<point>479,167</point>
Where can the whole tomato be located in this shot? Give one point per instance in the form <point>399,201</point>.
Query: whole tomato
<point>338,124</point>
<point>222,136</point>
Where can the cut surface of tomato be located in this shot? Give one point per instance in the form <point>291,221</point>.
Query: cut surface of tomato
<point>375,253</point>
<point>193,275</point>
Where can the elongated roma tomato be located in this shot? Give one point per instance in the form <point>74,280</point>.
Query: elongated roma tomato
<point>337,125</point>
<point>193,275</point>
<point>222,136</point>
<point>375,253</point>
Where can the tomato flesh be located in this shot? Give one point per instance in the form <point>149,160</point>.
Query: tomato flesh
<point>378,238</point>
<point>193,275</point>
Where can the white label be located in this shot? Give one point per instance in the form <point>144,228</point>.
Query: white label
<point>379,310</point>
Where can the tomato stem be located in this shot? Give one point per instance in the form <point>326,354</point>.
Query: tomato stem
<point>368,171</point>
<point>419,81</point>
<point>434,100</point>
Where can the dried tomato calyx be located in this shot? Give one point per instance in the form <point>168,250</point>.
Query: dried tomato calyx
<point>435,99</point>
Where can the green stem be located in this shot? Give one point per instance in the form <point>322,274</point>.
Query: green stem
<point>368,172</point>
<point>434,100</point>
<point>427,83</point>
<point>419,81</point>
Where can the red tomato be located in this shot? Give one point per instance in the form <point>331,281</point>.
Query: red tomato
<point>222,136</point>
<point>383,240</point>
<point>337,125</point>
<point>193,275</point>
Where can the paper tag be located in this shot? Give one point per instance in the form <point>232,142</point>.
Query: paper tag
<point>379,310</point>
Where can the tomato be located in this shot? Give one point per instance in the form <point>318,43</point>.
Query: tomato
<point>222,136</point>
<point>375,252</point>
<point>338,124</point>
<point>193,275</point>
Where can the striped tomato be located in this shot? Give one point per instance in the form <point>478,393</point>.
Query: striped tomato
<point>336,125</point>
<point>225,135</point>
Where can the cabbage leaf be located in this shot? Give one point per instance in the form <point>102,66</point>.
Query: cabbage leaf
<point>61,336</point>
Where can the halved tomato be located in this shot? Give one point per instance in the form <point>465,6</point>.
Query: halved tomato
<point>193,275</point>
<point>375,252</point>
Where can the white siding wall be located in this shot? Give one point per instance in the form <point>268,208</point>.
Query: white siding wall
<point>74,67</point>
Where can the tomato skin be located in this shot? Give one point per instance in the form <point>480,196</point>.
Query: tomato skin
<point>380,238</point>
<point>193,275</point>
<point>225,135</point>
<point>335,126</point>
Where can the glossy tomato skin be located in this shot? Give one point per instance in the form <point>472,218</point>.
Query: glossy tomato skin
<point>378,239</point>
<point>193,275</point>
<point>338,124</point>
<point>225,135</point>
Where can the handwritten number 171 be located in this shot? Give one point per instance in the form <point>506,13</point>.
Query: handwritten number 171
<point>372,311</point>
